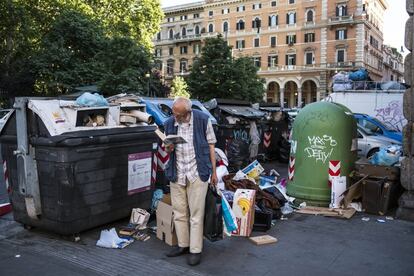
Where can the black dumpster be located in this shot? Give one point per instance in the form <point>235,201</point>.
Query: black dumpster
<point>234,121</point>
<point>275,133</point>
<point>66,177</point>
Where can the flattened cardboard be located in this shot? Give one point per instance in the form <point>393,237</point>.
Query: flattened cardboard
<point>165,223</point>
<point>243,209</point>
<point>261,240</point>
<point>327,212</point>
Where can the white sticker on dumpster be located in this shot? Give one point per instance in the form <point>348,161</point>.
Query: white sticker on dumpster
<point>139,172</point>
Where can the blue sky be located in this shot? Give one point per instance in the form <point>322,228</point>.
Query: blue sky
<point>394,21</point>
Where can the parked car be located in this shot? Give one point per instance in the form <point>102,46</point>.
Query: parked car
<point>374,126</point>
<point>370,143</point>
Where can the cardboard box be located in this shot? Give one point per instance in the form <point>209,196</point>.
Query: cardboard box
<point>253,170</point>
<point>337,191</point>
<point>261,240</point>
<point>243,209</point>
<point>165,223</point>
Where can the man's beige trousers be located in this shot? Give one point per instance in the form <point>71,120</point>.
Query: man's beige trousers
<point>188,203</point>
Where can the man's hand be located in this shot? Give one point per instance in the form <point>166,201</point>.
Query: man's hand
<point>214,179</point>
<point>169,148</point>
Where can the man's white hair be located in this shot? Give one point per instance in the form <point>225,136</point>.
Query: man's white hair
<point>181,100</point>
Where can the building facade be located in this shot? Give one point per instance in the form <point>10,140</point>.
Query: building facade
<point>298,45</point>
<point>393,66</point>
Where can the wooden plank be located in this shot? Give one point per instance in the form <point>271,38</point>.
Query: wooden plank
<point>261,240</point>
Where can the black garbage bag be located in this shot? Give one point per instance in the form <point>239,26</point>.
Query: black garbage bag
<point>213,215</point>
<point>276,194</point>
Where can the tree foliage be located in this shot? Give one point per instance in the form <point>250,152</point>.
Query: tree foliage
<point>217,74</point>
<point>179,88</point>
<point>53,45</point>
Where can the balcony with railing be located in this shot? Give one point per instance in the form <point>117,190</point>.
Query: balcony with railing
<point>340,20</point>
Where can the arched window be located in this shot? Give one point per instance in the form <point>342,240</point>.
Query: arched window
<point>240,25</point>
<point>273,21</point>
<point>184,31</point>
<point>291,18</point>
<point>210,28</point>
<point>309,16</point>
<point>225,27</point>
<point>256,23</point>
<point>197,30</point>
<point>341,10</point>
<point>171,34</point>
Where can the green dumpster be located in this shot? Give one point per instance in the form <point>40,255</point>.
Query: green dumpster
<point>323,144</point>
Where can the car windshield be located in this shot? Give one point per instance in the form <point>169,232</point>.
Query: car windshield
<point>388,128</point>
<point>365,131</point>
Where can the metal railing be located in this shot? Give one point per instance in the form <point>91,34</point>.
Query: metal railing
<point>341,19</point>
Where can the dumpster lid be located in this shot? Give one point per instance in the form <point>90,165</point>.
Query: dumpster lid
<point>5,115</point>
<point>60,116</point>
<point>242,111</point>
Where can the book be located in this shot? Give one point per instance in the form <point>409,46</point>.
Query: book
<point>170,139</point>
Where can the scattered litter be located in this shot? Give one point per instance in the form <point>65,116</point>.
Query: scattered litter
<point>141,236</point>
<point>240,176</point>
<point>261,240</point>
<point>339,213</point>
<point>387,156</point>
<point>283,218</point>
<point>380,220</point>
<point>253,170</point>
<point>356,205</point>
<point>337,190</point>
<point>109,239</point>
<point>365,219</point>
<point>286,209</point>
<point>139,218</point>
<point>389,218</point>
<point>302,205</point>
<point>17,256</point>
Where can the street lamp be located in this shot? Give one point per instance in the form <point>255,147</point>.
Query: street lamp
<point>148,75</point>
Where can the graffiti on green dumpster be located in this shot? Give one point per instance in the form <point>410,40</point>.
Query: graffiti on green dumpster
<point>320,148</point>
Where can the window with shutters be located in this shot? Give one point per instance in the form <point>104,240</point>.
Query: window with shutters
<point>340,55</point>
<point>256,42</point>
<point>170,67</point>
<point>257,62</point>
<point>291,18</point>
<point>225,11</point>
<point>240,25</point>
<point>341,10</point>
<point>240,44</point>
<point>196,15</point>
<point>183,66</point>
<point>184,31</point>
<point>171,51</point>
<point>341,34</point>
<point>272,61</point>
<point>291,39</point>
<point>171,34</point>
<point>170,19</point>
<point>197,30</point>
<point>273,3</point>
<point>183,17</point>
<point>310,37</point>
<point>309,16</point>
<point>272,41</point>
<point>309,59</point>
<point>273,20</point>
<point>257,6</point>
<point>241,8</point>
<point>256,23</point>
<point>196,49</point>
<point>210,28</point>
<point>291,59</point>
<point>225,27</point>
<point>158,52</point>
<point>183,50</point>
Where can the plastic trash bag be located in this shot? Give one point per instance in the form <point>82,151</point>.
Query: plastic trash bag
<point>359,75</point>
<point>156,197</point>
<point>213,216</point>
<point>388,156</point>
<point>228,216</point>
<point>286,209</point>
<point>254,140</point>
<point>88,99</point>
<point>110,239</point>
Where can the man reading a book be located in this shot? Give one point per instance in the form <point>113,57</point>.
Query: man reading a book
<point>190,167</point>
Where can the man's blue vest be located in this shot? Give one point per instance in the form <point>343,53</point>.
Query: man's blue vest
<point>201,147</point>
